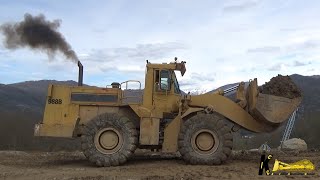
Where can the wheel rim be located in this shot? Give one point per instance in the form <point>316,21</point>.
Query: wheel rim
<point>205,141</point>
<point>108,140</point>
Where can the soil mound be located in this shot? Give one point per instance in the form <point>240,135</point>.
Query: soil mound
<point>281,86</point>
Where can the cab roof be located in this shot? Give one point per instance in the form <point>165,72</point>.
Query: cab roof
<point>179,66</point>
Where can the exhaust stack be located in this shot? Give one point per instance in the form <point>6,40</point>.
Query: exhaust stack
<point>80,76</point>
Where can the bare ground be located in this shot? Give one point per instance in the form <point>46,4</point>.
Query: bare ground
<point>73,165</point>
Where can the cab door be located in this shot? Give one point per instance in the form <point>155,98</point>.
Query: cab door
<point>166,91</point>
<point>162,88</point>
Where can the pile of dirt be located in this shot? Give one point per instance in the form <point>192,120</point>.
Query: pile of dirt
<point>281,86</point>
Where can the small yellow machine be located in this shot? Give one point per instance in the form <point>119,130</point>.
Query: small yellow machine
<point>199,127</point>
<point>302,165</point>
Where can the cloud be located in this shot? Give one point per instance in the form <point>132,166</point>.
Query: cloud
<point>240,7</point>
<point>299,63</point>
<point>283,66</point>
<point>236,39</point>
<point>131,68</point>
<point>202,77</point>
<point>4,53</point>
<point>139,52</point>
<point>294,29</point>
<point>276,67</point>
<point>266,49</point>
<point>305,45</point>
<point>58,66</point>
<point>289,48</point>
<point>197,81</point>
<point>248,69</point>
<point>5,65</point>
<point>127,59</point>
<point>185,83</point>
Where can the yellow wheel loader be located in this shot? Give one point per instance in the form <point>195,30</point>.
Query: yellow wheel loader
<point>111,125</point>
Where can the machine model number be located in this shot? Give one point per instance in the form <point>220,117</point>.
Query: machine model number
<point>54,101</point>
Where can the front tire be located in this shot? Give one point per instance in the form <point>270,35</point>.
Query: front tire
<point>205,139</point>
<point>109,140</point>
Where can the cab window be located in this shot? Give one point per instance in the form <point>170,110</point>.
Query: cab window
<point>176,85</point>
<point>164,80</point>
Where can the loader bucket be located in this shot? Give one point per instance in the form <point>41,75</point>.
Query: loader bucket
<point>270,109</point>
<point>274,109</point>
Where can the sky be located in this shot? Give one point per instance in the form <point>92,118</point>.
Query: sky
<point>223,41</point>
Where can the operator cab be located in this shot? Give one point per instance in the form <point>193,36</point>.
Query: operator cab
<point>164,76</point>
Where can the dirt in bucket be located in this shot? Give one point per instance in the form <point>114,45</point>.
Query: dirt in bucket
<point>281,86</point>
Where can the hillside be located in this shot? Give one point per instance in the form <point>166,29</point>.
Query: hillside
<point>310,86</point>
<point>27,96</point>
<point>22,106</point>
<point>308,122</point>
<point>16,99</point>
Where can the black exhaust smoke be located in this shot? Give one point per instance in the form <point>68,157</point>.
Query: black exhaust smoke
<point>38,33</point>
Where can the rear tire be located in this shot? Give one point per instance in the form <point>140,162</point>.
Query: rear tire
<point>205,139</point>
<point>109,140</point>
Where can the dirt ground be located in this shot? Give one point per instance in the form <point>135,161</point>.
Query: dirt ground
<point>73,165</point>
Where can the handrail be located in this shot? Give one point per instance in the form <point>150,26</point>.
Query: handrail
<point>126,82</point>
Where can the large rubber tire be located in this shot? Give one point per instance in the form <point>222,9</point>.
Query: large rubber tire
<point>209,125</point>
<point>124,150</point>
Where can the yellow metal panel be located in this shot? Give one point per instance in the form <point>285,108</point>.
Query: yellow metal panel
<point>171,133</point>
<point>140,110</point>
<point>56,130</point>
<point>87,113</point>
<point>148,90</point>
<point>106,109</point>
<point>161,101</point>
<point>149,131</point>
<point>60,115</point>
